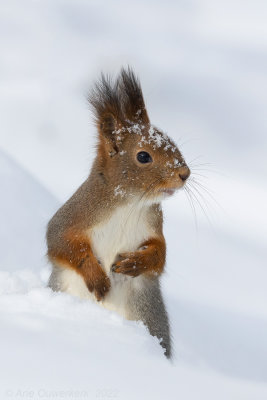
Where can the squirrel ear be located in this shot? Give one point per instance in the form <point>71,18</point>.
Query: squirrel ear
<point>107,127</point>
<point>115,104</point>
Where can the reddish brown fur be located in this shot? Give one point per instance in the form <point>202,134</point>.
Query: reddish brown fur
<point>149,260</point>
<point>118,106</point>
<point>76,253</point>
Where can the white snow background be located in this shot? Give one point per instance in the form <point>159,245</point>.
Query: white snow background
<point>203,66</point>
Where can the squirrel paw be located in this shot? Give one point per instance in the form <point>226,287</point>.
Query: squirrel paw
<point>128,265</point>
<point>100,288</point>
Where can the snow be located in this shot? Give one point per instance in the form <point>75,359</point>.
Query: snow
<point>155,138</point>
<point>202,66</point>
<point>24,215</point>
<point>52,342</point>
<point>119,191</point>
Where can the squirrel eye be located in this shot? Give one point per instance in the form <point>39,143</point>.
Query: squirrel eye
<point>143,157</point>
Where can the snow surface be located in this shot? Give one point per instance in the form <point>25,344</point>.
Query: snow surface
<point>203,69</point>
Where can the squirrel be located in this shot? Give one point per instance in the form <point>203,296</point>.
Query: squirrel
<point>106,242</point>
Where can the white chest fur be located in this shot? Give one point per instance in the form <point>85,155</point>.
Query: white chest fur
<point>124,231</point>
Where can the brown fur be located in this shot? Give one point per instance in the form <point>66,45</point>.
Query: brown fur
<point>118,107</point>
<point>149,260</point>
<point>75,252</point>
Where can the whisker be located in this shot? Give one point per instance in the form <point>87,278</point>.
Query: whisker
<point>203,187</point>
<point>204,200</point>
<point>211,170</point>
<point>192,206</point>
<point>199,165</point>
<point>199,203</point>
<point>198,174</point>
<point>194,159</point>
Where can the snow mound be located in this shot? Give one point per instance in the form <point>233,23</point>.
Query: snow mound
<point>25,210</point>
<point>53,343</point>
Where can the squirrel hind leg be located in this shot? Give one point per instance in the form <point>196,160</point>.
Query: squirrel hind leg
<point>54,281</point>
<point>147,305</point>
<point>68,281</point>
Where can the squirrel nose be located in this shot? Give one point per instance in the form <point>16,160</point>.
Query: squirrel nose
<point>184,173</point>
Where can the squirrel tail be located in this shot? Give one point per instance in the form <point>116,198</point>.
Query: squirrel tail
<point>147,305</point>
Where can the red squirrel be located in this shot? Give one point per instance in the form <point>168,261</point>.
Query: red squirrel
<point>106,242</point>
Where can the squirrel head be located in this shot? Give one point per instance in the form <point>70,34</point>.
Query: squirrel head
<point>135,157</point>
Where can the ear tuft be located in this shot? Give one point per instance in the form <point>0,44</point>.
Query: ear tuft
<point>104,99</point>
<point>132,97</point>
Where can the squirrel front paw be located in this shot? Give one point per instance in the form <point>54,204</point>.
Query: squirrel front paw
<point>132,264</point>
<point>99,287</point>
